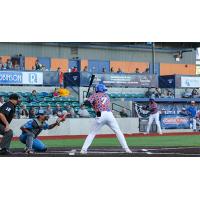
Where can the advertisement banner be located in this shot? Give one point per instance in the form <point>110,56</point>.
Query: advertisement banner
<point>190,82</point>
<point>73,79</point>
<point>170,121</point>
<point>166,81</point>
<point>32,78</point>
<point>118,80</point>
<point>8,78</point>
<point>21,78</point>
<point>51,78</point>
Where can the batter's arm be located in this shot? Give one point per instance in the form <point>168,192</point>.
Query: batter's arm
<point>87,103</point>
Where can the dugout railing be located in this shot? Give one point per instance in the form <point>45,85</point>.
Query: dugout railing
<point>115,106</point>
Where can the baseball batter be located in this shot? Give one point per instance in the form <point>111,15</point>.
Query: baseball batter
<point>154,115</point>
<point>100,101</point>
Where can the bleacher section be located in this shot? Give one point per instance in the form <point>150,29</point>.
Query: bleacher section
<point>45,99</point>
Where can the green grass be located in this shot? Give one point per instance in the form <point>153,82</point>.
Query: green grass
<point>132,141</point>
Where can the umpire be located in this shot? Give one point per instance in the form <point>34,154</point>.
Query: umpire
<point>7,111</point>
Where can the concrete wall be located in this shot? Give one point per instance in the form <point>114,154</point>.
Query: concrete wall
<point>135,55</point>
<point>79,126</point>
<point>36,50</point>
<point>118,54</point>
<point>26,89</point>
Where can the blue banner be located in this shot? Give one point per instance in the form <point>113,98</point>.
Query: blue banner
<point>21,78</point>
<point>166,81</point>
<point>7,77</point>
<point>169,121</point>
<point>114,79</point>
<point>50,78</point>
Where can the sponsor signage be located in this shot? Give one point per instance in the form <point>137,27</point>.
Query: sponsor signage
<point>170,121</point>
<point>21,78</point>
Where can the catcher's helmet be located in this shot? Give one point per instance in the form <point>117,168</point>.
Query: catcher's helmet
<point>101,88</point>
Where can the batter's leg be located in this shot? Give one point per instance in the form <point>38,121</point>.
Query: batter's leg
<point>112,123</point>
<point>97,124</point>
<point>158,123</point>
<point>151,118</point>
<point>194,124</point>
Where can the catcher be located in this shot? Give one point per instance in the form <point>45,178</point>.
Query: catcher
<point>32,128</point>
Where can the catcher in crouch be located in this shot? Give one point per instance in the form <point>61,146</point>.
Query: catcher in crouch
<point>32,128</point>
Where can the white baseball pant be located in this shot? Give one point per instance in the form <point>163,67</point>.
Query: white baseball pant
<point>151,118</point>
<point>108,119</point>
<point>193,125</point>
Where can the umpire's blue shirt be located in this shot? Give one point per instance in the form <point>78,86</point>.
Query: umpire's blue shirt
<point>192,111</point>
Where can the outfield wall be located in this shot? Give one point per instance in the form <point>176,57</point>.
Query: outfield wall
<point>79,126</point>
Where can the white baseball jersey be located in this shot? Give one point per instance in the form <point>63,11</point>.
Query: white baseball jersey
<point>101,102</point>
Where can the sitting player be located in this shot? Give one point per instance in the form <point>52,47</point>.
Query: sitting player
<point>32,128</point>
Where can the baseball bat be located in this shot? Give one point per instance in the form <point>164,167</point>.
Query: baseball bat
<point>91,81</point>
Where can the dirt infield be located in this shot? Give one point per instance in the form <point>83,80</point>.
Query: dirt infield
<point>115,152</point>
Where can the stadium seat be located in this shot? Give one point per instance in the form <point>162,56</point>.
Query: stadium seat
<point>140,95</point>
<point>133,95</point>
<point>26,94</point>
<point>127,95</point>
<point>43,104</point>
<point>3,94</point>
<point>74,104</point>
<point>47,99</point>
<point>35,104</point>
<point>43,94</point>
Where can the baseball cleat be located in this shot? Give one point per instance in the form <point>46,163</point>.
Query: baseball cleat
<point>29,151</point>
<point>83,152</point>
<point>128,151</point>
<point>5,151</point>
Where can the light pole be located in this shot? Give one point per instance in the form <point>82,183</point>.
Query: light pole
<point>153,57</point>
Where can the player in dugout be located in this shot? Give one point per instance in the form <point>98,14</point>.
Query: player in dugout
<point>100,101</point>
<point>192,111</point>
<point>32,128</point>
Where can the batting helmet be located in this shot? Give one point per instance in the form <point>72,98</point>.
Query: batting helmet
<point>151,99</point>
<point>101,88</point>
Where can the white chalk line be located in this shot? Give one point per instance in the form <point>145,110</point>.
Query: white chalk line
<point>116,151</point>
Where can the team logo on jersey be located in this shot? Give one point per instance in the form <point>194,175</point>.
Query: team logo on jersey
<point>8,109</point>
<point>75,78</point>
